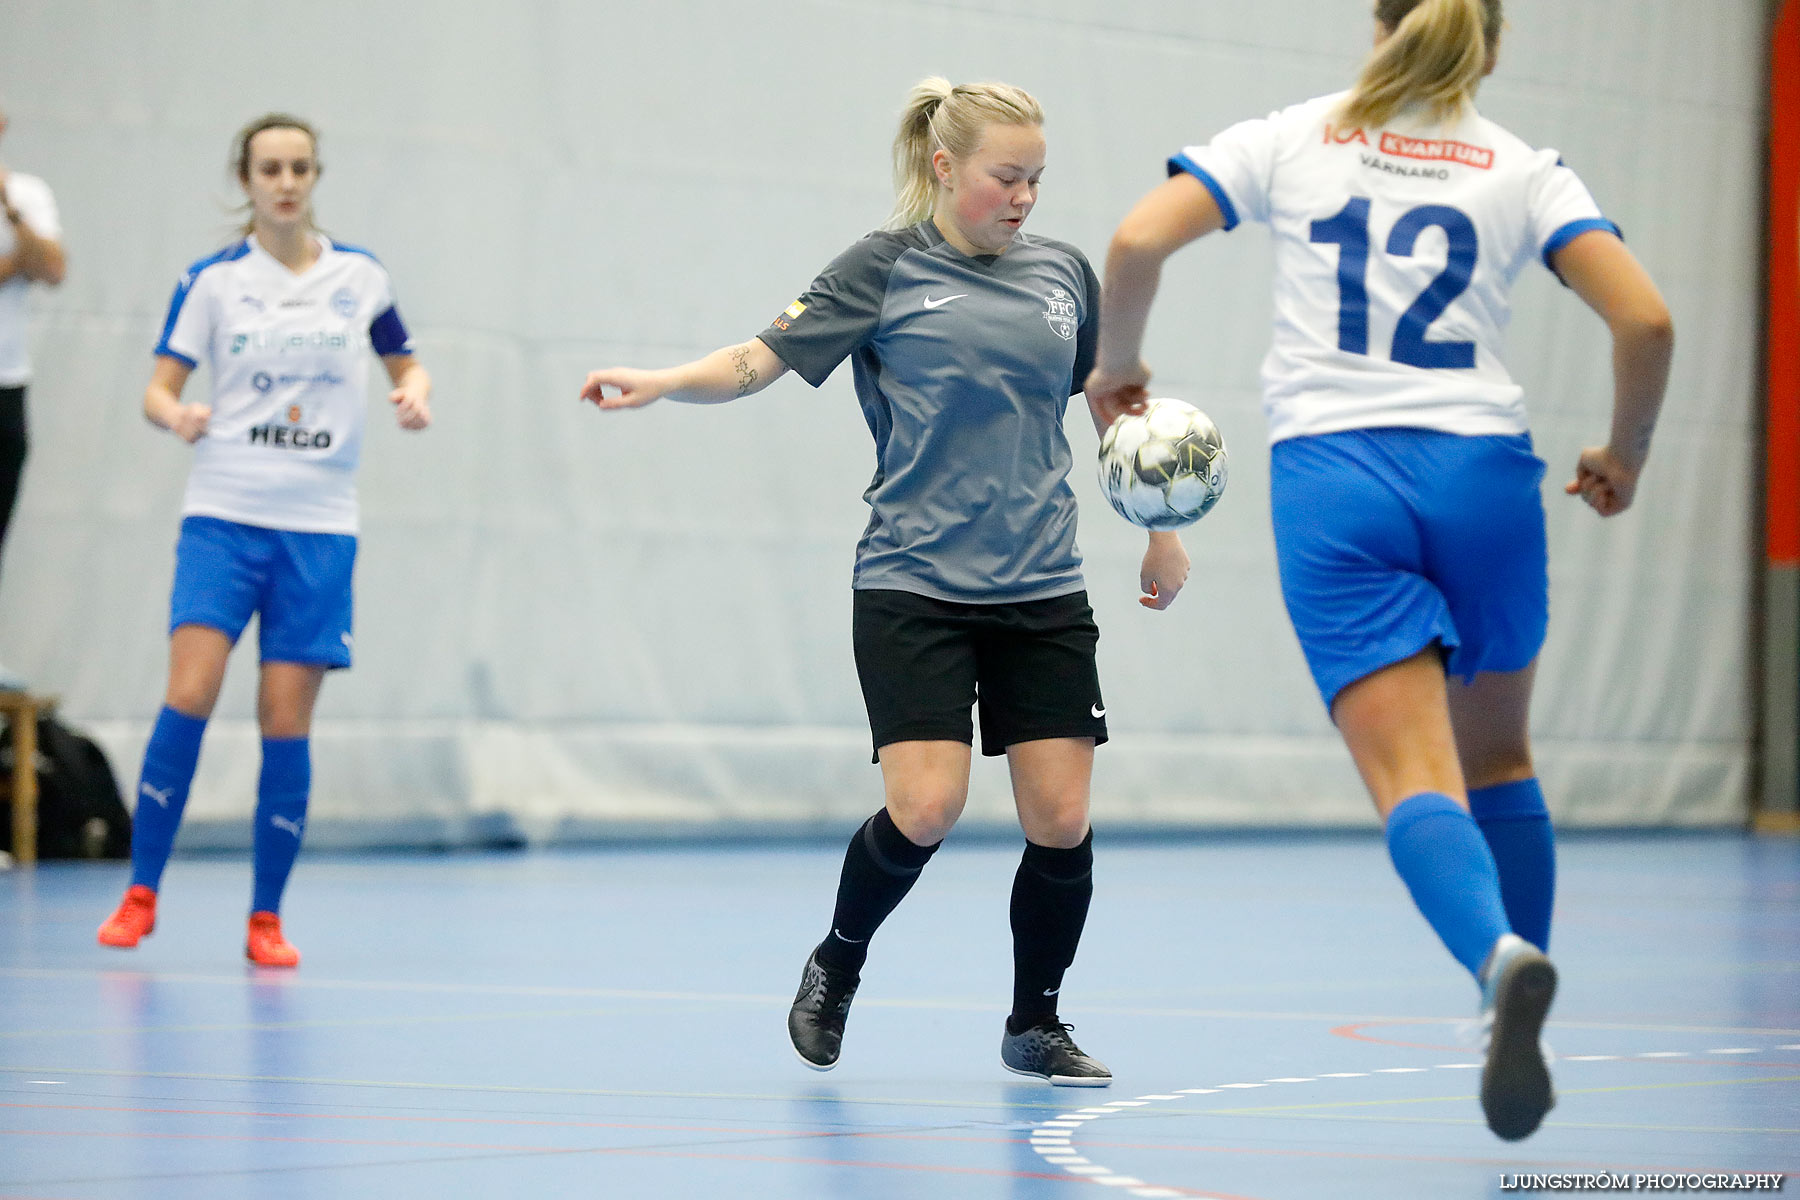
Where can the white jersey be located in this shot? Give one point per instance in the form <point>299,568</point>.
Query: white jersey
<point>1395,250</point>
<point>32,197</point>
<point>289,360</point>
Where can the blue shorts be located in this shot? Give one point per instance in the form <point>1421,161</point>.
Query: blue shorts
<point>1392,539</point>
<point>298,585</point>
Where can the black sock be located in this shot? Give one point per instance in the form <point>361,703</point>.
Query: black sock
<point>1049,906</point>
<point>880,867</point>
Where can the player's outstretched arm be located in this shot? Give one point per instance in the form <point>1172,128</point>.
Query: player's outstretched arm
<point>1609,278</point>
<point>726,374</point>
<point>411,396</point>
<point>162,401</point>
<point>1176,212</point>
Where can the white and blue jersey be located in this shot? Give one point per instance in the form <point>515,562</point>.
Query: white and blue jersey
<point>1395,250</point>
<point>1403,485</point>
<point>288,353</point>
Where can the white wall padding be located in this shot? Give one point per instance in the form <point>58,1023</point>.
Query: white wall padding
<point>570,622</point>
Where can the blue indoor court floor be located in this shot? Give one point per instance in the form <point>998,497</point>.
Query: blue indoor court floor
<point>609,1023</point>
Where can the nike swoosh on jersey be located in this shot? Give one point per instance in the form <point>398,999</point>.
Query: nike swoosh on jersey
<point>930,303</point>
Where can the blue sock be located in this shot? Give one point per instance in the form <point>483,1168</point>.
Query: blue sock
<point>281,794</point>
<point>169,762</point>
<point>1439,852</point>
<point>1516,824</point>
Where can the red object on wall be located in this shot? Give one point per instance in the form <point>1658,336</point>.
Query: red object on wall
<point>1784,289</point>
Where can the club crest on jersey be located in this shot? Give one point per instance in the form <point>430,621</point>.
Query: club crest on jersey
<point>1059,310</point>
<point>343,302</point>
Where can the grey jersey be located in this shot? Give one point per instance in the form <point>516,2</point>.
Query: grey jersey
<point>964,368</point>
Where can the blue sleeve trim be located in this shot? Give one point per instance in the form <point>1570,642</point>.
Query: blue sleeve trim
<point>229,254</point>
<point>347,248</point>
<point>387,333</point>
<point>1573,230</point>
<point>178,356</point>
<point>1182,162</point>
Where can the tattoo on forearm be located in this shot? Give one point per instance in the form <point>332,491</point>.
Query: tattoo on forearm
<point>746,374</point>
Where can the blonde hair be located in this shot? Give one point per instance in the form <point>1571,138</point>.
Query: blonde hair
<point>939,116</point>
<point>1433,58</point>
<point>240,150</point>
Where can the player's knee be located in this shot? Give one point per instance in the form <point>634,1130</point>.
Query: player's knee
<point>1495,765</point>
<point>926,815</point>
<point>192,697</point>
<point>1058,821</point>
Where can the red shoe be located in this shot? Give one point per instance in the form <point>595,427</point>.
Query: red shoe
<point>133,920</point>
<point>265,946</point>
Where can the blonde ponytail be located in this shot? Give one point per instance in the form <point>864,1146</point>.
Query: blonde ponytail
<point>1433,59</point>
<point>939,116</point>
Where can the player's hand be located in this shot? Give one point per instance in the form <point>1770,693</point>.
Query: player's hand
<point>631,388</point>
<point>1604,480</point>
<point>1164,572</point>
<point>1111,395</point>
<point>190,422</point>
<point>412,405</point>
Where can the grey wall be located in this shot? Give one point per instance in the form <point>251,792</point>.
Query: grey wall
<point>569,620</point>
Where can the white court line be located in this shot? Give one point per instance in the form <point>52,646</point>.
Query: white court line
<point>1050,1139</point>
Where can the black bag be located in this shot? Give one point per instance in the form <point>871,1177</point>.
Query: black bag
<point>80,813</point>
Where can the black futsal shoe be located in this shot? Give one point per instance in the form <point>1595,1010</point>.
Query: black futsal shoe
<point>816,1022</point>
<point>1046,1051</point>
<point>1517,985</point>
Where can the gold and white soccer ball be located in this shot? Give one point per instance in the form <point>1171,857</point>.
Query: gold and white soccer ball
<point>1165,467</point>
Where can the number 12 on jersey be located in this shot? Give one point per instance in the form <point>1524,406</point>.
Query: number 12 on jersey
<point>1349,231</point>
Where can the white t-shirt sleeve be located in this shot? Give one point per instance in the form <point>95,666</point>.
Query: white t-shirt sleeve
<point>1237,167</point>
<point>1560,207</point>
<point>188,330</point>
<point>36,204</point>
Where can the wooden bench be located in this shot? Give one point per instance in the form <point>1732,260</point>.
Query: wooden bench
<point>22,710</point>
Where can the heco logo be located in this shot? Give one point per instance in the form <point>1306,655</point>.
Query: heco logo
<point>284,437</point>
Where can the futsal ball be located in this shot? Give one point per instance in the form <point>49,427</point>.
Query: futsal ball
<point>1164,467</point>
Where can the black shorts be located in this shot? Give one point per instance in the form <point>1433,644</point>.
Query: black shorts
<point>924,662</point>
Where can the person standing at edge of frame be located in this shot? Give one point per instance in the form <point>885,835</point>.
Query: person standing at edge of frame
<point>1409,526</point>
<point>30,252</point>
<point>284,319</point>
<point>967,338</point>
